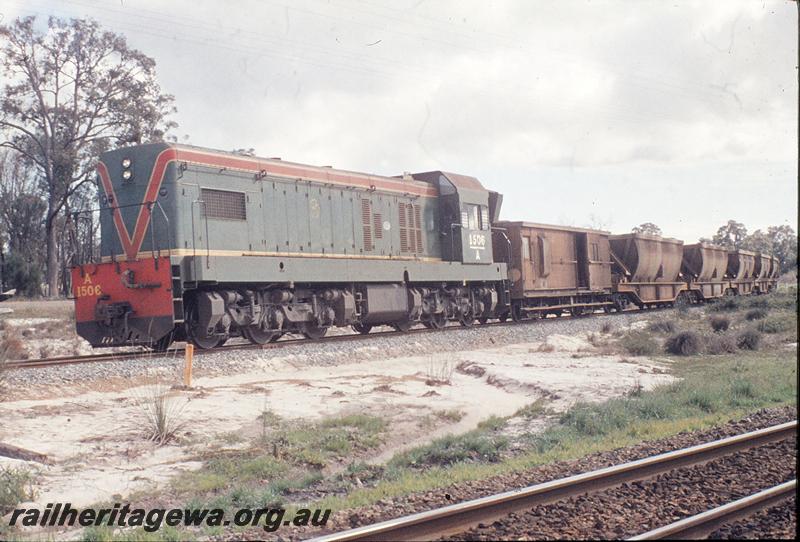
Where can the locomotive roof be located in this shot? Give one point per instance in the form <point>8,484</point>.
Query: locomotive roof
<point>424,184</point>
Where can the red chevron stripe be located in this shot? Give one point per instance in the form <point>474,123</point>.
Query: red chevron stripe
<point>132,246</point>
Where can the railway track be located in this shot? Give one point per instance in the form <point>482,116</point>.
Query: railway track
<point>458,518</point>
<point>179,351</point>
<point>702,525</point>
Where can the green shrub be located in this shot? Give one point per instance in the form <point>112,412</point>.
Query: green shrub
<point>775,324</point>
<point>662,326</point>
<point>720,344</point>
<point>727,303</point>
<point>686,343</point>
<point>639,343</point>
<point>749,340</point>
<point>16,486</point>
<point>756,314</point>
<point>719,323</point>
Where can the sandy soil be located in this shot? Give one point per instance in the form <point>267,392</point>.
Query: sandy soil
<point>98,450</point>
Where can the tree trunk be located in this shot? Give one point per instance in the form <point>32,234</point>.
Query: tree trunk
<point>51,231</point>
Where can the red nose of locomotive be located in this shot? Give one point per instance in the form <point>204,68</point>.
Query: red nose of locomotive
<point>124,302</point>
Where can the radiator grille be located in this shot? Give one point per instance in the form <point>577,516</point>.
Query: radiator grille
<point>410,228</point>
<point>366,222</point>
<point>223,204</point>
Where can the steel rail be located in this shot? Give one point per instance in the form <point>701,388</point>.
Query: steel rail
<point>459,517</point>
<point>705,523</point>
<point>175,352</point>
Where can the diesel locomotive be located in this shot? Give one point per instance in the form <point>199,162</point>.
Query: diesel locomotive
<point>202,245</point>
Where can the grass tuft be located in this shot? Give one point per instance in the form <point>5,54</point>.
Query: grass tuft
<point>162,412</point>
<point>474,446</point>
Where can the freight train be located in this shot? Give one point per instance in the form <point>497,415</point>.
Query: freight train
<point>202,245</point>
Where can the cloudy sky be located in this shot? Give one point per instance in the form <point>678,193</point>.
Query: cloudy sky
<point>585,113</point>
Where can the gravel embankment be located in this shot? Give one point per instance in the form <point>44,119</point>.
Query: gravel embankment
<point>727,486</point>
<point>326,353</point>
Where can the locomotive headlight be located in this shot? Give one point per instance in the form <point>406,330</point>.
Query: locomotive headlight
<point>126,163</point>
<point>127,175</point>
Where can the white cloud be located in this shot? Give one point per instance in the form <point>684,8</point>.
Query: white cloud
<point>680,113</point>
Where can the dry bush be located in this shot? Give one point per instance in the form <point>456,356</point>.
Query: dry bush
<point>470,368</point>
<point>686,343</point>
<point>749,340</point>
<point>719,323</point>
<point>439,373</point>
<point>607,327</point>
<point>662,326</point>
<point>756,314</point>
<point>12,347</point>
<point>721,344</point>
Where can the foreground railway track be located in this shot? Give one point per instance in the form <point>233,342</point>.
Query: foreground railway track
<point>702,525</point>
<point>179,351</point>
<point>458,518</point>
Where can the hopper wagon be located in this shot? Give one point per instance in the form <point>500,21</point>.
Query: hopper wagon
<point>703,267</point>
<point>740,271</point>
<point>647,269</point>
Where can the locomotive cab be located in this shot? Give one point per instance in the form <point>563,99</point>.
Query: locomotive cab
<point>465,226</point>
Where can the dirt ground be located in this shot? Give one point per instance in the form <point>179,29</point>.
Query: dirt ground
<point>98,450</point>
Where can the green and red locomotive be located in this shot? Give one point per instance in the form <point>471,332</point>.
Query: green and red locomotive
<point>203,245</point>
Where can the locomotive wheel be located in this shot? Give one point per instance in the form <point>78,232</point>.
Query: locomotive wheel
<point>362,328</point>
<point>467,320</point>
<point>313,331</point>
<point>436,321</point>
<point>198,336</point>
<point>403,326</point>
<point>516,313</point>
<point>483,319</point>
<point>256,335</point>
